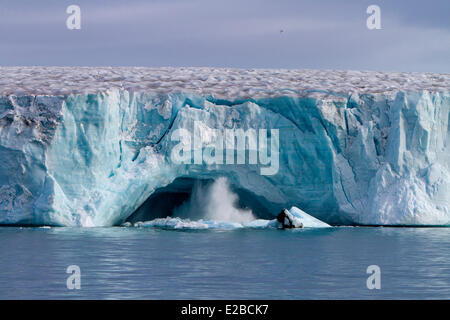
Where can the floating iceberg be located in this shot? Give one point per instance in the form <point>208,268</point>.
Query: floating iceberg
<point>89,146</point>
<point>176,223</point>
<point>306,220</point>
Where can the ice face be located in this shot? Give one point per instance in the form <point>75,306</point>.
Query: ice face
<point>363,157</point>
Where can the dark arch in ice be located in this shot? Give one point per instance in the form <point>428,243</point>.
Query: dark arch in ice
<point>163,201</point>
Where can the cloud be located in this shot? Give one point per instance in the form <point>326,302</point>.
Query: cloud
<point>245,33</point>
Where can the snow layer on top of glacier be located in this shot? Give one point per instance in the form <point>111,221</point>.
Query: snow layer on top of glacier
<point>220,82</point>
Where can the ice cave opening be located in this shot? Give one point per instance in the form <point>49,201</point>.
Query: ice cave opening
<point>208,199</point>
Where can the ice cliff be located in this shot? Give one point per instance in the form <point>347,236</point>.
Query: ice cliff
<point>90,146</point>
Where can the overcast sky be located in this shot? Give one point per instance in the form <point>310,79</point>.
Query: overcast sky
<point>317,34</point>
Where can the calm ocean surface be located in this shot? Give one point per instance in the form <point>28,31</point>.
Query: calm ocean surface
<point>147,263</point>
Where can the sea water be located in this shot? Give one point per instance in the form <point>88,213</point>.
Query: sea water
<point>157,262</point>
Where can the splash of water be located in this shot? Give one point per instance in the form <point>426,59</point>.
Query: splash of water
<point>216,202</point>
<point>214,206</point>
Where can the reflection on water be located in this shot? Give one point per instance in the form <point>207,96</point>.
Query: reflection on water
<point>224,264</point>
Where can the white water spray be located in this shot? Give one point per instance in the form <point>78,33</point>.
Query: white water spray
<point>214,202</point>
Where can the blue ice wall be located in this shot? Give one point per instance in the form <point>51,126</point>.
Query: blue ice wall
<point>92,160</point>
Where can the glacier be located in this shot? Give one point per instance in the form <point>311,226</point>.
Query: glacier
<point>92,146</point>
